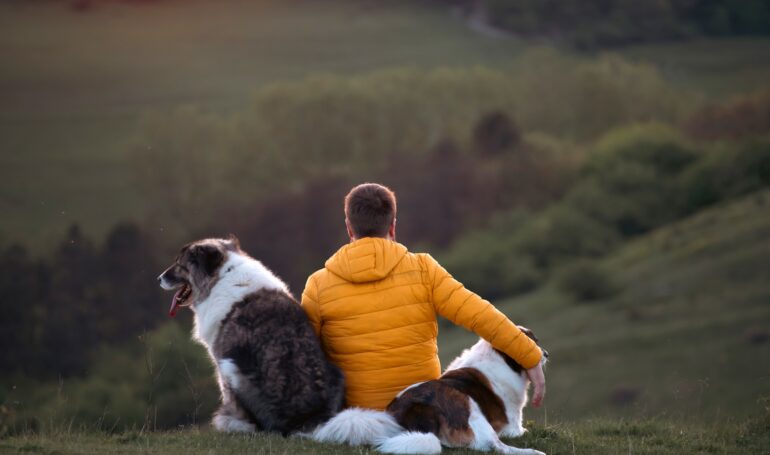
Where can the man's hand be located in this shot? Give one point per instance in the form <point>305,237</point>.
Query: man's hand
<point>538,381</point>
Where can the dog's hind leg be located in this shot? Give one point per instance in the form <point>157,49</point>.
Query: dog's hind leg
<point>230,418</point>
<point>486,438</point>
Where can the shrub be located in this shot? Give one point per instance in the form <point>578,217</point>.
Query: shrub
<point>561,233</point>
<point>738,118</point>
<point>658,146</point>
<point>487,263</point>
<point>726,172</point>
<point>162,380</point>
<point>630,179</point>
<point>585,281</point>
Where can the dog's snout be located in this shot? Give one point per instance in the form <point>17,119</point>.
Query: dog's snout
<point>545,353</point>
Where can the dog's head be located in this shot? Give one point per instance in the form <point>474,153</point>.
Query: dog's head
<point>195,271</point>
<point>515,366</point>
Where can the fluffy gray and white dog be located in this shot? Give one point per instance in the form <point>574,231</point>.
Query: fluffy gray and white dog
<point>271,370</point>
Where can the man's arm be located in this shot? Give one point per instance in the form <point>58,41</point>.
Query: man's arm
<point>463,307</point>
<point>310,305</point>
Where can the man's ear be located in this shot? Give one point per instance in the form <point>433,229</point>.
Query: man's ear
<point>392,230</point>
<point>350,230</point>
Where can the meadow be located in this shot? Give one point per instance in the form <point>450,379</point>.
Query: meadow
<point>81,83</point>
<point>676,338</point>
<point>616,202</point>
<point>590,436</point>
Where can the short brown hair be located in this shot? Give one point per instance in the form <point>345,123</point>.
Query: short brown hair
<point>370,208</point>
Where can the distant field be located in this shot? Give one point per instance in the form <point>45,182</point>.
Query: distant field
<point>74,85</point>
<point>688,337</point>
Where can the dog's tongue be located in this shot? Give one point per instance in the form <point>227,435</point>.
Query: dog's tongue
<point>174,305</point>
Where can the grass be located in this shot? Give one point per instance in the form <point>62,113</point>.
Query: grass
<point>590,436</point>
<point>686,338</point>
<point>80,83</point>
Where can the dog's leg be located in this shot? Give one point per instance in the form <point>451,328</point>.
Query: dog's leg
<point>485,437</point>
<point>230,417</point>
<point>514,428</point>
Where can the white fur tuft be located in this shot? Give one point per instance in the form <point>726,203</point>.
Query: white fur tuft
<point>229,424</point>
<point>230,372</point>
<point>357,426</point>
<point>410,442</point>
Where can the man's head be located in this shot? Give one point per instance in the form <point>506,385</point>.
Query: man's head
<point>370,211</point>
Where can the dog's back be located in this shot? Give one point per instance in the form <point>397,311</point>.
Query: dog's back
<point>280,376</point>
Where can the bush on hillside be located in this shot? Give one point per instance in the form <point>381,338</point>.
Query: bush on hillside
<point>585,281</point>
<point>159,381</point>
<point>561,233</point>
<point>727,172</point>
<point>487,264</point>
<point>630,179</point>
<point>738,118</point>
<point>657,146</point>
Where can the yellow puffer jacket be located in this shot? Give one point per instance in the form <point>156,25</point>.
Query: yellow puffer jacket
<point>374,307</point>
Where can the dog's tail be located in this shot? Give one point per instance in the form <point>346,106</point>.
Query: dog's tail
<point>356,426</point>
<point>411,443</point>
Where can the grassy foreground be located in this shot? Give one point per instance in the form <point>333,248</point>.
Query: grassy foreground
<point>588,437</point>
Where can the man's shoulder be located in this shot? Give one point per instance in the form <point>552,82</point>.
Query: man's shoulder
<point>318,276</point>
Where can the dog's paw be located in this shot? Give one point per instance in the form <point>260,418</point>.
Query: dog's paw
<point>229,424</point>
<point>513,431</point>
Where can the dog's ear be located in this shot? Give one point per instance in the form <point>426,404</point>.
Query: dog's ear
<point>233,242</point>
<point>207,257</point>
<point>528,333</point>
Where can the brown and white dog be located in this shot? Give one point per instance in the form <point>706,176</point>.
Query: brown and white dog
<point>271,370</point>
<point>479,398</point>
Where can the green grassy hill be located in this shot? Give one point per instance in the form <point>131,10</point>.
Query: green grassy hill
<point>687,336</point>
<point>679,357</point>
<point>80,82</point>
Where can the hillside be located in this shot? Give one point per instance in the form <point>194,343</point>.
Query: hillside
<point>82,82</point>
<point>694,302</point>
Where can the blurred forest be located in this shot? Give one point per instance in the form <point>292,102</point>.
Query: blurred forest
<point>576,188</point>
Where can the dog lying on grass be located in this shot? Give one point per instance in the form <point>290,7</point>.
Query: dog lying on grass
<point>479,398</point>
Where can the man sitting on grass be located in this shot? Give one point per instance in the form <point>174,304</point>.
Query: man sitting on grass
<point>374,307</point>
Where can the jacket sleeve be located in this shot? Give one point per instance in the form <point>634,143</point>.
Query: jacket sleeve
<point>463,307</point>
<point>310,305</point>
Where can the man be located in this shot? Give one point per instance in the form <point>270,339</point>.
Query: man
<point>374,307</point>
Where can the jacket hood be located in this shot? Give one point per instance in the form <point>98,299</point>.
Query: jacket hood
<point>367,259</point>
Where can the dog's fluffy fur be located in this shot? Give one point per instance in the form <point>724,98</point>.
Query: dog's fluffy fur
<point>271,370</point>
<point>479,398</point>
